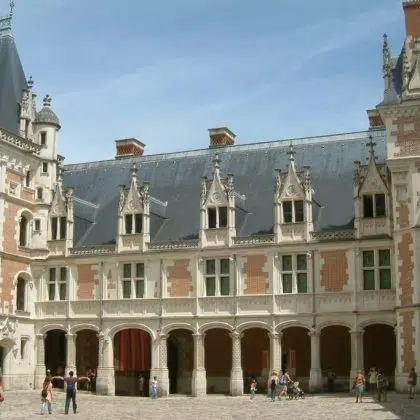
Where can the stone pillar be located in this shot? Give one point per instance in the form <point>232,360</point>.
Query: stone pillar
<point>105,379</point>
<point>356,343</point>
<point>71,353</point>
<point>315,374</point>
<point>163,377</point>
<point>199,381</point>
<point>275,359</point>
<point>400,378</point>
<point>40,369</point>
<point>236,375</point>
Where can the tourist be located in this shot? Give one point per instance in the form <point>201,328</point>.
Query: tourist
<point>331,381</point>
<point>253,388</point>
<point>283,381</point>
<point>46,396</point>
<point>141,385</point>
<point>92,376</point>
<point>273,385</point>
<point>412,382</point>
<point>382,386</point>
<point>359,385</point>
<point>1,389</point>
<point>154,387</point>
<point>373,379</point>
<point>71,382</point>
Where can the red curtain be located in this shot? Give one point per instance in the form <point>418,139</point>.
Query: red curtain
<point>132,350</point>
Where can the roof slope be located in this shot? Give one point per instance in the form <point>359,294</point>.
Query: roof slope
<point>175,185</point>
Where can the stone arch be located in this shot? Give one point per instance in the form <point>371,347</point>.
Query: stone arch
<point>177,326</point>
<point>253,324</point>
<point>211,325</point>
<point>369,322</point>
<point>24,218</point>
<point>292,323</point>
<point>296,351</point>
<point>334,323</point>
<point>56,351</point>
<point>127,326</point>
<point>49,327</point>
<point>74,329</point>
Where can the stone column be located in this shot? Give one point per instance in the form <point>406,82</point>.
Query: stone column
<point>199,381</point>
<point>236,375</point>
<point>105,379</point>
<point>71,353</point>
<point>315,374</point>
<point>40,369</point>
<point>275,359</point>
<point>163,377</point>
<point>356,343</point>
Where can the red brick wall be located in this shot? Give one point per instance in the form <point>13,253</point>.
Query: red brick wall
<point>405,269</point>
<point>179,279</point>
<point>407,333</point>
<point>85,282</point>
<point>407,140</point>
<point>412,19</point>
<point>256,280</point>
<point>9,269</point>
<point>218,352</point>
<point>403,216</point>
<point>334,275</point>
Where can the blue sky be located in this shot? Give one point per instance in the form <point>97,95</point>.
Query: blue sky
<point>164,71</point>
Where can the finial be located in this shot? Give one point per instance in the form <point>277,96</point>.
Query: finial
<point>12,6</point>
<point>291,152</point>
<point>47,100</point>
<point>134,170</point>
<point>371,146</point>
<point>216,161</point>
<point>60,171</point>
<point>30,83</point>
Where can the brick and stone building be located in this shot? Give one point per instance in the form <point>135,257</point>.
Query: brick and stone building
<point>208,266</point>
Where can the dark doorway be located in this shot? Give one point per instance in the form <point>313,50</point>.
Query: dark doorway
<point>172,365</point>
<point>56,354</point>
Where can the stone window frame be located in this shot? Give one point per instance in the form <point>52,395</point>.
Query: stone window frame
<point>293,272</point>
<point>21,288</point>
<point>24,347</point>
<point>24,229</point>
<point>136,224</point>
<point>58,228</point>
<point>44,168</point>
<point>292,211</point>
<point>43,138</point>
<point>39,194</point>
<point>57,284</point>
<point>373,196</point>
<point>134,279</point>
<point>376,268</point>
<point>217,217</point>
<point>219,276</point>
<point>28,179</point>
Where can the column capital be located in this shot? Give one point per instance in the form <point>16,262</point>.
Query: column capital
<point>236,335</point>
<point>162,336</point>
<point>357,331</point>
<point>275,335</point>
<point>313,332</point>
<point>70,335</point>
<point>41,336</point>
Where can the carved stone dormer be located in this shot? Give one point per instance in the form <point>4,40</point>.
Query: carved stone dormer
<point>134,215</point>
<point>60,218</point>
<point>27,111</point>
<point>217,209</point>
<point>292,203</point>
<point>372,199</point>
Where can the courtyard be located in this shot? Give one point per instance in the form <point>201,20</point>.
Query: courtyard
<point>26,405</point>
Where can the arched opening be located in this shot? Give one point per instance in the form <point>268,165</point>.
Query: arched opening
<point>23,230</point>
<point>180,361</point>
<point>21,294</point>
<point>56,354</point>
<point>218,360</point>
<point>87,348</point>
<point>336,354</point>
<point>132,361</point>
<point>379,349</point>
<point>255,355</point>
<point>296,354</point>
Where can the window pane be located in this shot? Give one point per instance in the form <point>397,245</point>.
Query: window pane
<point>367,206</point>
<point>210,286</point>
<point>302,283</point>
<point>287,283</point>
<point>211,214</point>
<point>23,231</point>
<point>127,271</point>
<point>385,278</point>
<point>384,257</point>
<point>51,291</point>
<point>52,275</point>
<point>63,227</point>
<point>139,289</point>
<point>286,262</point>
<point>128,223</point>
<point>368,279</point>
<point>138,219</point>
<point>301,262</point>
<point>210,266</point>
<point>224,266</point>
<point>224,286</point>
<point>20,295</point>
<point>126,289</point>
<point>63,274</point>
<point>140,270</point>
<point>63,291</point>
<point>54,227</point>
<point>299,215</point>
<point>287,212</point>
<point>368,259</point>
<point>222,216</point>
<point>380,205</point>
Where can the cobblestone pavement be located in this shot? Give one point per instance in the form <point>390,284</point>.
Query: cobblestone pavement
<point>26,405</point>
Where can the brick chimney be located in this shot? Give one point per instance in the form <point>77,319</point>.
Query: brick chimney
<point>221,136</point>
<point>129,148</point>
<point>375,119</point>
<point>412,17</point>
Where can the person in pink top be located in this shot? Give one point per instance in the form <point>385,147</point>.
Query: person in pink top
<point>46,396</point>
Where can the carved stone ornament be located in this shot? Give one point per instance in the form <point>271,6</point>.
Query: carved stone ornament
<point>58,206</point>
<point>8,329</point>
<point>203,191</point>
<point>133,202</point>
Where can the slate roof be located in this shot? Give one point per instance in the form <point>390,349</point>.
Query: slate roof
<point>12,82</point>
<point>47,116</point>
<point>175,185</point>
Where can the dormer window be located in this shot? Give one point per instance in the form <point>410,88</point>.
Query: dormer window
<point>374,205</point>
<point>293,211</point>
<point>217,217</point>
<point>58,228</point>
<point>133,223</point>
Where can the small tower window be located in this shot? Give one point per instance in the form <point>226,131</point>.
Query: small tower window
<point>299,213</point>
<point>39,192</point>
<point>54,228</point>
<point>217,217</point>
<point>374,205</point>
<point>63,227</point>
<point>43,138</point>
<point>37,225</point>
<point>20,294</point>
<point>293,211</point>
<point>133,223</point>
<point>23,231</point>
<point>44,167</point>
<point>28,179</point>
<point>287,212</point>
<point>58,228</point>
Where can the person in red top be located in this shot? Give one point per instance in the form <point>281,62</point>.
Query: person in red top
<point>71,382</point>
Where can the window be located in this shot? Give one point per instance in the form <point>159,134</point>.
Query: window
<point>376,267</point>
<point>23,342</point>
<point>132,282</point>
<point>23,231</point>
<point>57,283</point>
<point>43,138</point>
<point>63,227</point>
<point>58,228</point>
<point>37,225</point>
<point>293,211</point>
<point>217,277</point>
<point>294,273</point>
<point>133,223</point>
<point>217,217</point>
<point>28,179</point>
<point>44,167</point>
<point>39,192</point>
<point>20,294</point>
<point>374,205</point>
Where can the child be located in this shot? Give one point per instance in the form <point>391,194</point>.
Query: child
<point>253,388</point>
<point>154,388</point>
<point>46,396</point>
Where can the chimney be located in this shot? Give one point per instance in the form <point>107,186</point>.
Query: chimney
<point>412,17</point>
<point>127,148</point>
<point>221,136</point>
<point>375,119</point>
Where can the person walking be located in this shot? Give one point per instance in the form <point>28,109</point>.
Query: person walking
<point>382,386</point>
<point>373,380</point>
<point>154,387</point>
<point>141,385</point>
<point>273,386</point>
<point>253,388</point>
<point>359,385</point>
<point>46,396</point>
<point>412,382</point>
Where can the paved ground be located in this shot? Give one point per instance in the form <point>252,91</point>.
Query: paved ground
<point>25,405</point>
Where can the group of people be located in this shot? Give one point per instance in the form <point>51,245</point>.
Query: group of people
<point>279,383</point>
